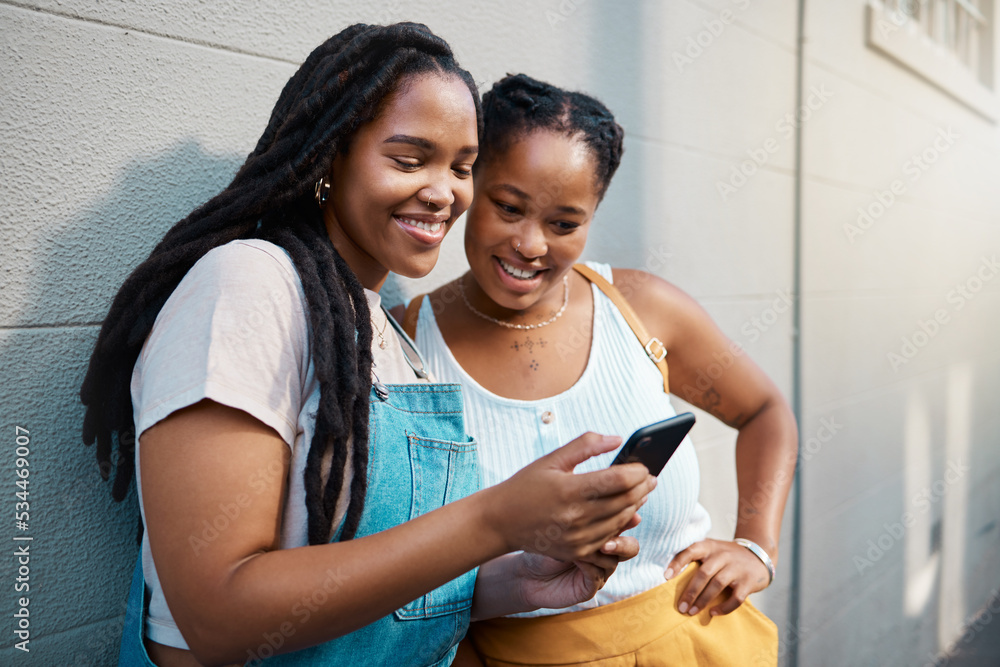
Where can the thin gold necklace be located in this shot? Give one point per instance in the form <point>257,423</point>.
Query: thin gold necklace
<point>522,327</point>
<point>381,338</point>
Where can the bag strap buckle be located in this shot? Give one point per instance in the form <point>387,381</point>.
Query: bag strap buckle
<point>656,350</point>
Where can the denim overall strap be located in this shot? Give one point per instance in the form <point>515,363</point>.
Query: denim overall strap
<point>132,652</point>
<point>419,459</point>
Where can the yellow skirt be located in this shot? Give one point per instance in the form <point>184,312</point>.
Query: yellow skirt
<point>645,629</point>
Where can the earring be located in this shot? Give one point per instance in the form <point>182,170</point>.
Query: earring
<point>322,191</point>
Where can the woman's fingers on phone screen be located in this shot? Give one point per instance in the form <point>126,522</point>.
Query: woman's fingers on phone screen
<point>587,527</point>
<point>588,445</point>
<point>631,499</point>
<point>603,518</point>
<point>617,480</point>
<point>571,514</point>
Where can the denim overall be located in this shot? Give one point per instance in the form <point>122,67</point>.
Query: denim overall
<point>419,459</point>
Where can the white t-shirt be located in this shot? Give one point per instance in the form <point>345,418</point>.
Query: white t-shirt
<point>235,330</point>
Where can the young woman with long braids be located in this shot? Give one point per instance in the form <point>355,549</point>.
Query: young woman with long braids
<point>307,498</point>
<point>543,353</point>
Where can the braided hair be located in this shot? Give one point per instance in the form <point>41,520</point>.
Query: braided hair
<point>518,105</point>
<point>341,86</point>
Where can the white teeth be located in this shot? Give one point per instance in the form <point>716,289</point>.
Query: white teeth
<point>429,226</point>
<point>516,272</point>
<point>426,226</point>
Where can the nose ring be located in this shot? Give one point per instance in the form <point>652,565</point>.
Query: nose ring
<point>430,200</point>
<point>518,248</point>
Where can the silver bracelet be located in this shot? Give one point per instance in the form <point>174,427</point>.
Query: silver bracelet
<point>757,551</point>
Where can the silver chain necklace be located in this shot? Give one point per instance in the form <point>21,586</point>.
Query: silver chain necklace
<point>508,325</point>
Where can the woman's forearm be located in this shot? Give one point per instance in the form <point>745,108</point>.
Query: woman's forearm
<point>766,451</point>
<point>243,591</point>
<point>294,598</point>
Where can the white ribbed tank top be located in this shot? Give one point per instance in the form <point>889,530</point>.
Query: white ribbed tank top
<point>619,391</point>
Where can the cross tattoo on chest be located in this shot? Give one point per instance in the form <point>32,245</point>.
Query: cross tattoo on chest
<point>528,344</point>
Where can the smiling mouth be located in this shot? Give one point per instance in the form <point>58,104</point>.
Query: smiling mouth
<point>514,272</point>
<point>432,227</point>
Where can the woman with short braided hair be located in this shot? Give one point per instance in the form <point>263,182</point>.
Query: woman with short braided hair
<point>546,348</point>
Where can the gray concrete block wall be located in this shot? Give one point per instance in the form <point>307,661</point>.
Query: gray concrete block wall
<point>899,511</point>
<point>109,134</point>
<point>117,118</point>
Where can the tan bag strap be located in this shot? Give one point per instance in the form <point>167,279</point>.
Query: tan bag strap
<point>655,349</point>
<point>412,315</point>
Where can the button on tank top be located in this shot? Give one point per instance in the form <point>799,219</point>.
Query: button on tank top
<point>619,391</point>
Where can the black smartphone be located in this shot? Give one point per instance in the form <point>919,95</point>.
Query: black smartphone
<point>653,445</point>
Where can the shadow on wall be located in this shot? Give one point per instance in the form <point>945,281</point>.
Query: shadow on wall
<point>83,545</point>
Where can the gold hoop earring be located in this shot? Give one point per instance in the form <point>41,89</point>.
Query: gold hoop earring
<point>322,191</point>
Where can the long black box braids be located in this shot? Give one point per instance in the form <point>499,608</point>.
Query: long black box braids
<point>340,86</point>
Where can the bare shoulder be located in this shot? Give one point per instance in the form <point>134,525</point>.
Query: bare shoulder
<point>399,311</point>
<point>642,288</point>
<point>444,296</point>
<point>663,307</point>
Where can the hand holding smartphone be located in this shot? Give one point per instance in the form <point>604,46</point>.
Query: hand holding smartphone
<point>653,445</point>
